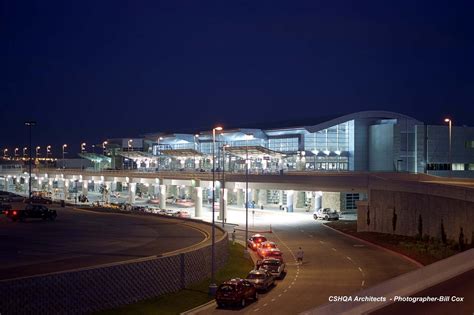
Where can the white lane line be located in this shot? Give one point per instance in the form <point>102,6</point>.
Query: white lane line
<point>285,291</point>
<point>292,283</point>
<point>302,231</point>
<point>360,269</point>
<point>334,249</point>
<point>289,287</point>
<point>349,258</point>
<point>363,282</point>
<point>321,242</point>
<point>279,295</point>
<point>256,310</point>
<point>273,300</point>
<point>358,245</point>
<point>265,304</point>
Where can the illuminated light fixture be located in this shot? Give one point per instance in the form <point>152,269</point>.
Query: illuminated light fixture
<point>326,152</point>
<point>338,152</point>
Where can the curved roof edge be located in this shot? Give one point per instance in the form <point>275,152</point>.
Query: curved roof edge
<point>374,114</point>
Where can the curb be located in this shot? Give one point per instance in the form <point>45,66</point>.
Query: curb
<point>413,261</point>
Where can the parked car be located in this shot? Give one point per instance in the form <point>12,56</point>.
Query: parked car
<point>235,291</point>
<point>326,214</point>
<point>32,211</point>
<point>255,240</point>
<point>5,206</point>
<point>170,211</point>
<point>265,247</point>
<point>275,266</point>
<point>38,200</point>
<point>10,197</point>
<point>261,279</point>
<point>182,214</point>
<point>274,253</point>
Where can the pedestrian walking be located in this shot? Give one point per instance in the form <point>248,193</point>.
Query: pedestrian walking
<point>233,237</point>
<point>299,255</point>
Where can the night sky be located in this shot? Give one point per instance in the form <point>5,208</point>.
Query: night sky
<point>91,70</point>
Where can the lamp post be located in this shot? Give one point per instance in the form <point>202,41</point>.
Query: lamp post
<point>83,147</point>
<point>5,153</point>
<point>247,138</point>
<point>64,149</point>
<point>130,146</point>
<point>158,152</point>
<point>37,151</point>
<point>212,286</point>
<point>24,151</point>
<point>16,152</point>
<point>450,123</point>
<point>223,183</point>
<point>104,147</point>
<point>29,124</point>
<point>48,151</point>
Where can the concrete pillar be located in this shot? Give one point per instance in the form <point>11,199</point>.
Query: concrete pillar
<point>281,195</point>
<point>132,187</point>
<point>173,190</point>
<point>252,195</point>
<point>65,189</point>
<point>240,198</point>
<point>262,197</point>
<point>162,196</point>
<point>223,205</point>
<point>197,201</point>
<point>300,199</point>
<point>316,197</point>
<point>85,185</point>
<point>290,200</point>
<point>108,186</point>
<point>331,200</point>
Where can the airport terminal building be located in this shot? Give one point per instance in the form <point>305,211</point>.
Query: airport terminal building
<point>363,141</point>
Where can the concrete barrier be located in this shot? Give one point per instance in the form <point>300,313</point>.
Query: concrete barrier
<point>404,285</point>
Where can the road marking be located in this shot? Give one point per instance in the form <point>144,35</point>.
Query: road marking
<point>349,258</point>
<point>279,295</point>
<point>273,300</point>
<point>285,291</point>
<point>321,242</point>
<point>363,282</point>
<point>360,269</point>
<point>310,235</point>
<point>302,231</point>
<point>256,310</point>
<point>292,283</point>
<point>265,304</point>
<point>289,287</point>
<point>358,245</point>
<point>334,249</point>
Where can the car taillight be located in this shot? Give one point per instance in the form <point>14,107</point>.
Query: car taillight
<point>14,212</point>
<point>6,212</point>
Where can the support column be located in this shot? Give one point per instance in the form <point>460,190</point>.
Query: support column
<point>85,187</point>
<point>223,205</point>
<point>25,185</point>
<point>131,192</point>
<point>197,201</point>
<point>108,187</point>
<point>262,197</point>
<point>162,196</point>
<point>290,200</point>
<point>300,199</point>
<point>65,189</point>
<point>240,197</point>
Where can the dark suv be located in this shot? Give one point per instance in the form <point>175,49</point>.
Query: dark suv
<point>235,291</point>
<point>31,211</point>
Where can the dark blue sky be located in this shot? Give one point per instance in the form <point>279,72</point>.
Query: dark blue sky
<point>88,70</point>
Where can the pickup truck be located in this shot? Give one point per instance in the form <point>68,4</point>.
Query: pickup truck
<point>31,211</point>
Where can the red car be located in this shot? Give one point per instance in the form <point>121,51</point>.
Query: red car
<point>255,240</point>
<point>265,248</point>
<point>235,291</point>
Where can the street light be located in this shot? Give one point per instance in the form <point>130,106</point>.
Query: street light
<point>64,149</point>
<point>83,147</point>
<point>48,150</point>
<point>247,138</point>
<point>212,286</point>
<point>223,182</point>
<point>37,151</point>
<point>104,144</point>
<point>16,152</point>
<point>29,124</point>
<point>450,123</point>
<point>158,152</point>
<point>5,153</point>
<point>130,147</point>
<point>24,151</point>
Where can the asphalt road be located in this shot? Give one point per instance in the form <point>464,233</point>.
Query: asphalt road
<point>333,265</point>
<point>455,289</point>
<point>83,238</point>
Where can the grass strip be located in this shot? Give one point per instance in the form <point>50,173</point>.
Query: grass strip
<point>197,294</point>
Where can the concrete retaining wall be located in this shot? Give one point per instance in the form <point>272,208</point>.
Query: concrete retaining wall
<point>407,204</point>
<point>93,289</point>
